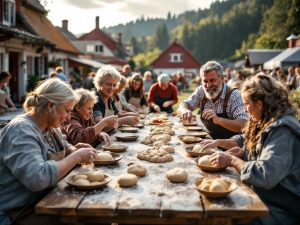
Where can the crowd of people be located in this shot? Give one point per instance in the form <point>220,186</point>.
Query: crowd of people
<point>253,122</point>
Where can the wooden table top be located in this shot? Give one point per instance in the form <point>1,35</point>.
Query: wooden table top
<point>154,199</point>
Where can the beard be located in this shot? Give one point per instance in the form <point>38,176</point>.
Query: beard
<point>213,93</point>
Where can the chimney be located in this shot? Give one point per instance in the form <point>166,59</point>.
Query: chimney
<point>97,22</point>
<point>65,24</point>
<point>120,38</point>
<point>292,40</point>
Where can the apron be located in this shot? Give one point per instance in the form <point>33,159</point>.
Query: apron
<point>136,102</point>
<point>60,151</point>
<point>217,131</point>
<point>160,101</point>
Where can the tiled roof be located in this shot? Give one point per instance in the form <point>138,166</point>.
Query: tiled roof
<point>39,23</point>
<point>189,61</point>
<point>35,4</point>
<point>68,34</point>
<point>290,55</point>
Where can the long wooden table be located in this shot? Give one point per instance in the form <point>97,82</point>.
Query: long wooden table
<point>154,200</point>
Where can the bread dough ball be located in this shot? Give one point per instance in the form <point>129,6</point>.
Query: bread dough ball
<point>204,186</point>
<point>217,186</point>
<point>80,176</point>
<point>163,137</point>
<point>104,156</point>
<point>188,138</point>
<point>177,175</point>
<point>95,176</point>
<point>205,161</point>
<point>127,180</point>
<point>82,182</point>
<point>169,149</point>
<point>114,146</point>
<point>137,170</point>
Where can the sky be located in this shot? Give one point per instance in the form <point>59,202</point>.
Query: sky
<point>81,13</point>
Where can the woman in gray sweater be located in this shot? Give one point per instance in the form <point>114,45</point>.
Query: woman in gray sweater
<point>34,156</point>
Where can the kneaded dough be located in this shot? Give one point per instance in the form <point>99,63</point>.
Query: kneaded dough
<point>205,161</point>
<point>94,176</point>
<point>137,170</point>
<point>169,149</point>
<point>127,180</point>
<point>104,156</point>
<point>81,182</point>
<point>204,186</point>
<point>217,186</point>
<point>80,176</point>
<point>177,175</point>
<point>114,146</point>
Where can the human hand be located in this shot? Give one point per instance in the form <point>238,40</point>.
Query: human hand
<point>82,145</point>
<point>210,114</point>
<point>236,151</point>
<point>209,144</point>
<point>110,121</point>
<point>129,120</point>
<point>86,155</point>
<point>167,104</point>
<point>221,159</point>
<point>156,108</point>
<point>187,116</point>
<point>105,137</point>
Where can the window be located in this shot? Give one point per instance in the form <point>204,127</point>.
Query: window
<point>175,57</point>
<point>99,48</point>
<point>94,48</point>
<point>9,12</point>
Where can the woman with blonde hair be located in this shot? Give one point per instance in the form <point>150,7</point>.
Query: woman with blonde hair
<point>269,159</point>
<point>82,127</point>
<point>106,81</point>
<point>134,93</point>
<point>34,156</point>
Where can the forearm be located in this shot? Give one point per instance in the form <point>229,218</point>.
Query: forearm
<point>99,127</point>
<point>232,125</point>
<point>227,143</point>
<point>182,109</point>
<point>237,163</point>
<point>67,164</point>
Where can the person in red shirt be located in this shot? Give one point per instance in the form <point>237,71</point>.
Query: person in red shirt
<point>162,95</point>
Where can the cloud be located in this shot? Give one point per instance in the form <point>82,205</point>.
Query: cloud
<point>87,4</point>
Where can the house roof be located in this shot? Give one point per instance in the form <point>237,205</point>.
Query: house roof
<point>260,56</point>
<point>97,34</point>
<point>87,62</point>
<point>35,4</point>
<point>68,34</point>
<point>290,55</point>
<point>188,62</point>
<point>40,25</point>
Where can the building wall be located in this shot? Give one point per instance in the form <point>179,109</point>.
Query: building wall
<point>82,45</point>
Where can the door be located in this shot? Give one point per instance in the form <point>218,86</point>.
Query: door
<point>14,71</point>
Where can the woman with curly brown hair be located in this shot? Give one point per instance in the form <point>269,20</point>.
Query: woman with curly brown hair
<point>269,160</point>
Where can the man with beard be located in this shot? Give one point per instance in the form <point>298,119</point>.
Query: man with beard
<point>221,108</point>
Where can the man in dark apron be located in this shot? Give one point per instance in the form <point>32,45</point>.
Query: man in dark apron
<point>222,111</point>
<point>162,95</point>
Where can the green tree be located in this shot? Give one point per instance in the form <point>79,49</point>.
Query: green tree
<point>161,39</point>
<point>135,45</point>
<point>294,17</point>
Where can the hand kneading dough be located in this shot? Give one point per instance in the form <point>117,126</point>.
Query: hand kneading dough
<point>169,149</point>
<point>127,180</point>
<point>137,170</point>
<point>205,161</point>
<point>81,182</point>
<point>177,175</point>
<point>104,156</point>
<point>95,176</point>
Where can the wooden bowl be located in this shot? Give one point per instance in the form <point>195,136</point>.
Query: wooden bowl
<point>129,129</point>
<point>193,123</point>
<point>192,128</point>
<point>126,137</point>
<point>190,152</point>
<point>214,194</point>
<point>69,180</point>
<point>209,168</point>
<point>202,134</point>
<point>116,158</point>
<point>116,148</point>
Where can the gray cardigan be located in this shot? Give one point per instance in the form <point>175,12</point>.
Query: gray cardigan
<point>24,166</point>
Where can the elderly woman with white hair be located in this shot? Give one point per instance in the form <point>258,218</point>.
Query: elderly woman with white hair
<point>106,81</point>
<point>82,127</point>
<point>162,95</point>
